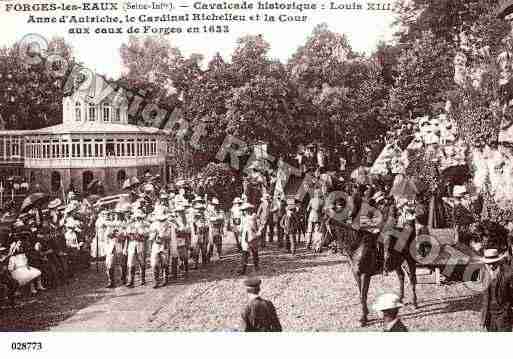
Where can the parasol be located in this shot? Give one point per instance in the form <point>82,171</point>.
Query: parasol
<point>34,200</point>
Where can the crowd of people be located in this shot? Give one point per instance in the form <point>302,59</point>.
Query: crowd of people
<point>177,228</point>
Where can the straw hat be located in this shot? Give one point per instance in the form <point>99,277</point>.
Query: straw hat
<point>237,200</point>
<point>459,191</point>
<point>215,201</point>
<point>387,301</point>
<point>246,206</point>
<point>492,256</point>
<point>54,204</point>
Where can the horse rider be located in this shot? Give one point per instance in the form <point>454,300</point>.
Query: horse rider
<point>199,234</point>
<point>249,237</point>
<point>265,219</point>
<point>136,247</point>
<point>115,242</point>
<point>314,213</point>
<point>216,225</point>
<point>235,220</point>
<point>160,237</point>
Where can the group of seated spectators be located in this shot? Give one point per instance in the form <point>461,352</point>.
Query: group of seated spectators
<point>34,255</point>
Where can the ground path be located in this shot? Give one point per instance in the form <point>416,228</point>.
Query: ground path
<point>311,293</point>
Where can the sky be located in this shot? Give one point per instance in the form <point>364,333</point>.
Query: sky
<point>100,52</point>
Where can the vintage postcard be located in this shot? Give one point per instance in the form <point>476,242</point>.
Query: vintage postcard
<point>255,166</point>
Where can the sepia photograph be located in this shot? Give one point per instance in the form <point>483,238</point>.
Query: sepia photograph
<point>256,166</point>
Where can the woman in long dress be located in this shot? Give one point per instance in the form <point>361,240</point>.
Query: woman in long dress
<point>20,270</point>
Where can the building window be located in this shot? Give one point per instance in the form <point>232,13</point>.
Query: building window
<point>78,112</point>
<point>64,149</point>
<point>92,112</point>
<point>117,117</point>
<point>153,147</point>
<point>75,148</point>
<point>109,149</point>
<point>55,181</point>
<point>55,149</point>
<point>88,150</point>
<point>130,149</point>
<point>98,148</point>
<point>106,112</point>
<point>139,147</point>
<point>146,147</point>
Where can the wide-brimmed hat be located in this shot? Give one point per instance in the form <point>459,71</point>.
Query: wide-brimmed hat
<point>459,191</point>
<point>266,196</point>
<point>215,201</point>
<point>200,206</point>
<point>237,200</point>
<point>198,199</point>
<point>246,206</point>
<point>163,195</point>
<point>54,204</point>
<point>387,301</point>
<point>492,256</point>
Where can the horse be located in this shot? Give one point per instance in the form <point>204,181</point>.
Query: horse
<point>362,248</point>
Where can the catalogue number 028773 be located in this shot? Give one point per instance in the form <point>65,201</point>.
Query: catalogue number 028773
<point>26,346</point>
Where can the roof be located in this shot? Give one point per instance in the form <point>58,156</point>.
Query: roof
<point>95,127</point>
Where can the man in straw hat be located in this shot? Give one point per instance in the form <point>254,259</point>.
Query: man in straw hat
<point>181,235</point>
<point>160,237</point>
<point>496,310</point>
<point>265,219</point>
<point>115,237</point>
<point>249,237</point>
<point>314,212</point>
<point>216,225</point>
<point>235,220</point>
<point>136,244</point>
<point>388,305</point>
<point>289,224</point>
<point>259,315</point>
<point>199,234</point>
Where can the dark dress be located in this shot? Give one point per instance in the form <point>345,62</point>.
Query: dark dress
<point>496,311</point>
<point>260,316</point>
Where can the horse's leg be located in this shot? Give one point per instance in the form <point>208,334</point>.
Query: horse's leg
<point>400,277</point>
<point>412,274</point>
<point>365,279</point>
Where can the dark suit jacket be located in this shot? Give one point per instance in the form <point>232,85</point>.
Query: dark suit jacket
<point>500,292</point>
<point>260,316</point>
<point>397,327</point>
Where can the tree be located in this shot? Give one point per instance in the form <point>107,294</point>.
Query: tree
<point>31,95</point>
<point>424,76</point>
<point>340,93</point>
<point>149,63</point>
